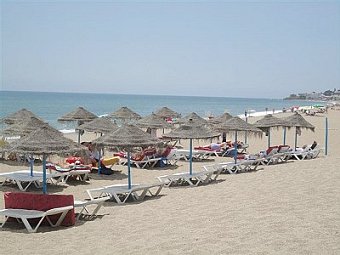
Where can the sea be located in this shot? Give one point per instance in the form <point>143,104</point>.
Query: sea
<point>51,105</point>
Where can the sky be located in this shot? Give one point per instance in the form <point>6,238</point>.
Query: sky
<point>256,49</point>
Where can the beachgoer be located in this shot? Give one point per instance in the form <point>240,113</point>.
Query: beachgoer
<point>93,154</point>
<point>314,144</point>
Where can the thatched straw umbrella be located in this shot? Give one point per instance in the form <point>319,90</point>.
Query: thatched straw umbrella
<point>44,141</point>
<point>193,117</point>
<point>23,127</point>
<point>80,115</point>
<point>191,130</point>
<point>269,121</point>
<point>166,112</point>
<point>100,125</point>
<point>299,122</point>
<point>219,120</point>
<point>126,137</point>
<point>18,116</point>
<point>236,124</point>
<point>153,122</point>
<point>124,114</point>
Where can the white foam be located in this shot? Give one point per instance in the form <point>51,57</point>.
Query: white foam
<point>67,131</point>
<point>259,114</point>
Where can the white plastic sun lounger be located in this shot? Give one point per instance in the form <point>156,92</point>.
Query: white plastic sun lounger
<point>80,174</point>
<point>24,180</point>
<point>241,165</point>
<point>120,193</point>
<point>84,205</point>
<point>23,215</point>
<point>54,178</point>
<point>194,179</point>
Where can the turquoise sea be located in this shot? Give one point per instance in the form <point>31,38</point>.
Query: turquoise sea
<point>50,106</point>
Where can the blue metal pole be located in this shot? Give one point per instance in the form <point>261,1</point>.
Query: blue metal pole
<point>129,168</point>
<point>44,175</point>
<point>246,133</point>
<point>99,165</point>
<point>190,155</point>
<point>284,135</point>
<point>31,163</point>
<point>235,146</point>
<point>326,137</point>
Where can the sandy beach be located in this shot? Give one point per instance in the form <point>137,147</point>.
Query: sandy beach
<point>290,208</point>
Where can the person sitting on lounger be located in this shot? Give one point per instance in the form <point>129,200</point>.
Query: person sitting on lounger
<point>314,144</point>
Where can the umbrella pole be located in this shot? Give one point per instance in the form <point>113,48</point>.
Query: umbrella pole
<point>284,135</point>
<point>246,133</point>
<point>268,137</point>
<point>190,156</point>
<point>129,166</point>
<point>235,146</point>
<point>44,175</point>
<point>79,136</point>
<point>31,163</point>
<point>99,165</point>
<point>295,138</point>
<point>326,137</point>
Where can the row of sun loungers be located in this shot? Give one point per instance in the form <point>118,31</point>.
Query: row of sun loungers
<point>209,174</point>
<point>121,193</point>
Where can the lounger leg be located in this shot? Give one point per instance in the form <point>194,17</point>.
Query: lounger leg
<point>59,221</point>
<point>28,225</point>
<point>2,224</point>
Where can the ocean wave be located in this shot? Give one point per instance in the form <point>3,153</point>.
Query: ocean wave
<point>67,131</point>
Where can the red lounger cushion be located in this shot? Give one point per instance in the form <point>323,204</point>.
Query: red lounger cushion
<point>41,202</point>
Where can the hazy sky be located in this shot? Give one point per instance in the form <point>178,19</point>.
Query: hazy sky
<point>210,48</point>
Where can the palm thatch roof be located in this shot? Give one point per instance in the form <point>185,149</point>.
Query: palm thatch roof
<point>100,125</point>
<point>125,113</point>
<point>191,130</point>
<point>194,117</point>
<point>221,119</point>
<point>24,127</point>
<point>237,124</point>
<point>153,121</point>
<point>80,114</point>
<point>166,112</point>
<point>269,121</point>
<point>44,141</point>
<point>18,116</point>
<point>296,120</point>
<point>125,137</point>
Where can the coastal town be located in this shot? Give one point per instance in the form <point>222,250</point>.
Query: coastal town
<point>328,95</point>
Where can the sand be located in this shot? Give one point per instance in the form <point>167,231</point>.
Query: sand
<point>291,208</point>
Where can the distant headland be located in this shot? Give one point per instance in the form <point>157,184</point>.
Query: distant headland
<point>328,95</point>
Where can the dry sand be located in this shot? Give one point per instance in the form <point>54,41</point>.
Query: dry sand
<point>291,208</point>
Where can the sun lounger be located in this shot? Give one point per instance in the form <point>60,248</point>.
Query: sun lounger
<point>79,172</point>
<point>24,180</point>
<point>194,179</point>
<point>84,205</point>
<point>25,215</point>
<point>244,165</point>
<point>196,154</point>
<point>120,193</point>
<point>305,153</point>
<point>299,153</point>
